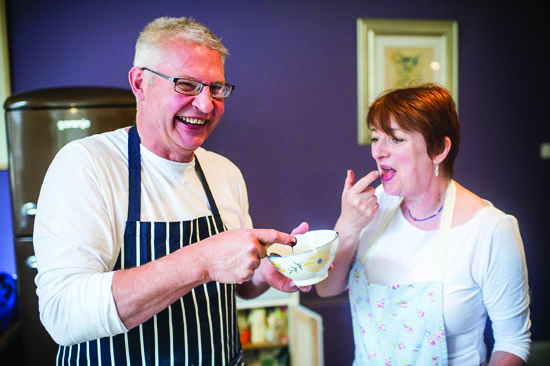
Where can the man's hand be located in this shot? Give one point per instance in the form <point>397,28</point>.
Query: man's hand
<point>274,279</point>
<point>233,256</point>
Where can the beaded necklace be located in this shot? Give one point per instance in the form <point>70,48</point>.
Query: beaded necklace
<point>427,218</point>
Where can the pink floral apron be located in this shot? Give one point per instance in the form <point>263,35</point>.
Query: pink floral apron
<point>401,324</point>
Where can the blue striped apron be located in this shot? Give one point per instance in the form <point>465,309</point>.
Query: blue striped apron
<point>200,328</point>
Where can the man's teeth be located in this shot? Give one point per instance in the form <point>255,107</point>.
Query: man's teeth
<point>193,121</point>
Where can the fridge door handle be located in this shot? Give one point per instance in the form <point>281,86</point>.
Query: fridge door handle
<point>28,209</point>
<point>31,262</point>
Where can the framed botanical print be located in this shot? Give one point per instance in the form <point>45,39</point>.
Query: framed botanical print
<point>396,53</point>
<point>4,84</point>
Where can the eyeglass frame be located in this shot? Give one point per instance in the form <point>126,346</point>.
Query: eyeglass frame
<point>197,91</point>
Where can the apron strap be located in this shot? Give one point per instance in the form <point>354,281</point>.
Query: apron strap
<point>134,178</point>
<point>442,238</point>
<point>134,175</point>
<point>384,222</point>
<point>206,187</point>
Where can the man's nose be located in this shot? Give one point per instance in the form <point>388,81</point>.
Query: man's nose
<point>203,101</point>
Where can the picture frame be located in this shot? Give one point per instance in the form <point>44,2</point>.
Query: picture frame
<point>5,89</point>
<point>394,53</point>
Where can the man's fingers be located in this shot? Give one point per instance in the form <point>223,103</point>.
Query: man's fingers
<point>363,183</point>
<point>300,229</point>
<point>304,288</point>
<point>270,236</point>
<point>262,251</point>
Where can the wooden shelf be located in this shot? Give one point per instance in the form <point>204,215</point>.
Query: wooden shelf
<point>254,346</point>
<point>270,298</point>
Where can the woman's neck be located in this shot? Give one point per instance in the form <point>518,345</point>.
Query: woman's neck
<point>427,205</point>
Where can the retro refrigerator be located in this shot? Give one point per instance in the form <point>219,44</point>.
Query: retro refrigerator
<point>39,123</point>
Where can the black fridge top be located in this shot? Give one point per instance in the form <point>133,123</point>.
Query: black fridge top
<point>71,97</point>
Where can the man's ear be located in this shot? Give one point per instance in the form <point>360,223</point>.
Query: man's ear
<point>135,77</point>
<point>439,158</point>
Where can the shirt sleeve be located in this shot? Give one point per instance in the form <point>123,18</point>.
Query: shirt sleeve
<point>506,290</point>
<point>75,246</point>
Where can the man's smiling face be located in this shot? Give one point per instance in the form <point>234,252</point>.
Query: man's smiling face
<point>174,125</point>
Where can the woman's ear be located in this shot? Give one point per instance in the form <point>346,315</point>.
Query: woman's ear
<point>439,158</point>
<point>135,77</point>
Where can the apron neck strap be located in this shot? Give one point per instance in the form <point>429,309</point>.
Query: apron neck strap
<point>442,238</point>
<point>134,175</point>
<point>134,178</point>
<point>206,187</point>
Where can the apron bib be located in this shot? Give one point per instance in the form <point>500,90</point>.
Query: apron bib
<point>401,324</point>
<point>198,329</point>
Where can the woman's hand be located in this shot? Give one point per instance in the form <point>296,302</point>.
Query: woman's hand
<point>359,204</point>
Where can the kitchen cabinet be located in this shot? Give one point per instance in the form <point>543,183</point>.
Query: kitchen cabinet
<point>39,123</point>
<point>302,342</point>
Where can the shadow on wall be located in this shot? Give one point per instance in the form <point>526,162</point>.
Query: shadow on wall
<point>540,354</point>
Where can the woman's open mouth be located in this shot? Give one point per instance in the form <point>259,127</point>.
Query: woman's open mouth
<point>386,173</point>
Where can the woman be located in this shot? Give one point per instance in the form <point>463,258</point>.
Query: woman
<point>425,259</point>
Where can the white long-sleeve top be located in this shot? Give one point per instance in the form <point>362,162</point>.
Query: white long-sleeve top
<point>81,216</point>
<point>485,274</point>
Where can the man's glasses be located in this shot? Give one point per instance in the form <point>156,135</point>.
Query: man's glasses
<point>194,87</point>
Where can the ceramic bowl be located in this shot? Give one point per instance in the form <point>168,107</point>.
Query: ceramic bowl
<point>306,263</point>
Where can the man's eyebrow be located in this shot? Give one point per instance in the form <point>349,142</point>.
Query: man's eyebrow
<point>185,77</point>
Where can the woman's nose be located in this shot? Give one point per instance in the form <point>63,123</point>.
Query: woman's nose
<point>203,101</point>
<point>379,149</point>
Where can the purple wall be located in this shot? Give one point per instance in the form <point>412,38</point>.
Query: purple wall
<point>291,124</point>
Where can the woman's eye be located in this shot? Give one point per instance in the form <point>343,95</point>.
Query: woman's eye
<point>374,139</point>
<point>397,140</point>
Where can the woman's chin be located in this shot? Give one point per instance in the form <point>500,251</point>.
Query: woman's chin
<point>390,188</point>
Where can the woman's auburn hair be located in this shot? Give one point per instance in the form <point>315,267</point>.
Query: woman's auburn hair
<point>427,109</point>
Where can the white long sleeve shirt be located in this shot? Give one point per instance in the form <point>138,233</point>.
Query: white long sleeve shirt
<point>485,274</point>
<point>81,216</point>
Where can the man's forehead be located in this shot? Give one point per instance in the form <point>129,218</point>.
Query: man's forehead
<point>187,47</point>
<point>192,60</point>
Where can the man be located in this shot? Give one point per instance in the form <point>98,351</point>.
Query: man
<point>136,235</point>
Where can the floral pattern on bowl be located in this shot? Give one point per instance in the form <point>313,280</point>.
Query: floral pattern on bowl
<point>311,257</point>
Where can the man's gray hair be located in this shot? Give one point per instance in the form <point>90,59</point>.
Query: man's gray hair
<point>166,29</point>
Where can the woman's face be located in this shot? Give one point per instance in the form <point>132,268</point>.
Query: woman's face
<point>403,162</point>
